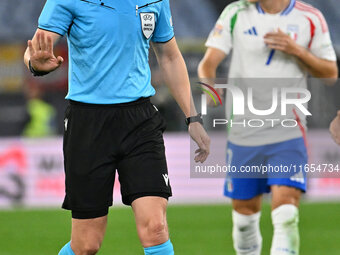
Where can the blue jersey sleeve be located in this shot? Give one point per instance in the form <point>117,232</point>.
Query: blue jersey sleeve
<point>57,16</point>
<point>164,29</point>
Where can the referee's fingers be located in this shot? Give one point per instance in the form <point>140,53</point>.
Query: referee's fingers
<point>43,44</point>
<point>203,153</point>
<point>200,157</point>
<point>60,60</point>
<point>39,41</point>
<point>204,156</point>
<point>49,46</point>
<point>30,47</point>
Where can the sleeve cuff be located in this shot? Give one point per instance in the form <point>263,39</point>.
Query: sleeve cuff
<point>56,30</point>
<point>163,39</point>
<point>212,45</point>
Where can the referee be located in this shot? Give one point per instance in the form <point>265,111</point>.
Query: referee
<point>110,123</point>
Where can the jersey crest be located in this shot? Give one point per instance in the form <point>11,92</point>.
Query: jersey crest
<point>148,23</point>
<point>293,31</point>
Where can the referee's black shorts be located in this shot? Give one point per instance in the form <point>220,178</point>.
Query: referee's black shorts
<point>100,139</point>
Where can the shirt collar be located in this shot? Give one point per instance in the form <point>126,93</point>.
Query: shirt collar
<point>285,12</point>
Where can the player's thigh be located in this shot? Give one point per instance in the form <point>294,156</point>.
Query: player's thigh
<point>249,206</point>
<point>88,232</point>
<point>282,195</point>
<point>246,193</point>
<point>287,186</point>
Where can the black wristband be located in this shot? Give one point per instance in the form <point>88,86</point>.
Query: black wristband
<point>197,118</point>
<point>34,72</point>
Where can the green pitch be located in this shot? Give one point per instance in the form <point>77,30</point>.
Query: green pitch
<point>195,230</point>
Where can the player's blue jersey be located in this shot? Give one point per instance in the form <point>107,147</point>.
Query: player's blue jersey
<point>109,44</point>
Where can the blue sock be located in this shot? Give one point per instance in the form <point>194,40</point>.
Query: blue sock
<point>162,249</point>
<point>66,250</point>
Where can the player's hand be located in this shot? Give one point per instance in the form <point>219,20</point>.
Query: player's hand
<point>335,128</point>
<point>41,56</point>
<point>211,102</point>
<point>282,42</point>
<point>202,139</point>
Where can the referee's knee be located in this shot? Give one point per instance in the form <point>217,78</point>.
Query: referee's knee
<point>154,232</point>
<point>157,228</point>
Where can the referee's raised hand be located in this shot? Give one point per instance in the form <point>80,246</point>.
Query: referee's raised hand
<point>42,58</point>
<point>200,136</point>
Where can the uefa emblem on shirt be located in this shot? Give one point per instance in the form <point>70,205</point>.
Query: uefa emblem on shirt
<point>148,23</point>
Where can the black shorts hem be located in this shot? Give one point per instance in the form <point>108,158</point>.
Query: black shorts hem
<point>128,199</point>
<point>87,213</point>
<point>90,214</point>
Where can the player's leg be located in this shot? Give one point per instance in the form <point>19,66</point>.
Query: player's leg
<point>286,193</point>
<point>246,226</point>
<point>285,218</point>
<point>143,175</point>
<point>248,206</point>
<point>87,236</point>
<point>246,195</point>
<point>151,223</point>
<point>90,173</point>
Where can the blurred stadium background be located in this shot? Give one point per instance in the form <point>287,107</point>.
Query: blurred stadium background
<point>31,163</point>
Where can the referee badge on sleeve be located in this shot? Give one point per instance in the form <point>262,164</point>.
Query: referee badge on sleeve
<point>148,23</point>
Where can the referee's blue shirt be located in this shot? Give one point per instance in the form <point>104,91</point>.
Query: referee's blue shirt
<point>109,42</point>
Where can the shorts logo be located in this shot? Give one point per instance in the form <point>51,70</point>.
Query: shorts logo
<point>298,177</point>
<point>229,185</point>
<point>148,23</point>
<point>65,124</point>
<point>166,179</point>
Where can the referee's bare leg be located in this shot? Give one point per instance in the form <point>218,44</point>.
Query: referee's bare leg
<point>87,235</point>
<point>151,223</point>
<point>150,215</point>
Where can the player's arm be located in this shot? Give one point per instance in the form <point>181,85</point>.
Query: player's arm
<point>176,77</point>
<point>219,44</point>
<point>335,128</point>
<point>317,67</point>
<point>207,69</point>
<point>40,54</point>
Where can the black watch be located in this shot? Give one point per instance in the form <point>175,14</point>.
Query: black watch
<point>34,72</point>
<point>197,118</point>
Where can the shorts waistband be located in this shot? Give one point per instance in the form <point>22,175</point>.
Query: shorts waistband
<point>139,101</point>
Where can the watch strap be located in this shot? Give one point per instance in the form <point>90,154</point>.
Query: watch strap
<point>197,118</point>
